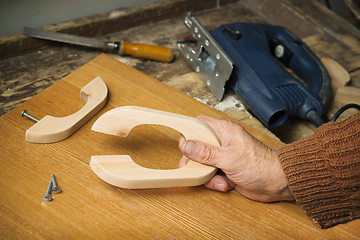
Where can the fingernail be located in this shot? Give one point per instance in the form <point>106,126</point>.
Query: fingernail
<point>190,148</point>
<point>219,187</point>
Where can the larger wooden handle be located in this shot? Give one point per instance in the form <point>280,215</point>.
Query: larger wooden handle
<point>122,171</point>
<point>162,54</point>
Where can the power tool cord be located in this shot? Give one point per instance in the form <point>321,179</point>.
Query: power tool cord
<point>343,109</point>
<point>316,119</point>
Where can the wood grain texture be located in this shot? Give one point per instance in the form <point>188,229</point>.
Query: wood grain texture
<point>92,209</point>
<point>321,29</point>
<point>53,129</point>
<point>122,171</point>
<point>348,95</point>
<point>101,24</point>
<point>157,53</point>
<point>341,95</point>
<point>340,29</point>
<point>354,7</point>
<point>24,76</point>
<point>339,76</point>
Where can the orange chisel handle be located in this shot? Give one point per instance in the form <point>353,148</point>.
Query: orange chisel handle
<point>162,54</point>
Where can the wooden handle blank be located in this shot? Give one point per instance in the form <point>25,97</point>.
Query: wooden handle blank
<point>348,95</point>
<point>339,76</point>
<point>122,171</point>
<point>53,129</point>
<point>162,54</point>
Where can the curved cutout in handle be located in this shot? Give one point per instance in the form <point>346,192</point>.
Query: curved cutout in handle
<point>53,129</point>
<point>122,171</point>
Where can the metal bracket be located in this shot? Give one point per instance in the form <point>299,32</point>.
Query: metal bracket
<point>206,57</point>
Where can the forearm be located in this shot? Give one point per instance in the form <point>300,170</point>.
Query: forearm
<point>323,172</point>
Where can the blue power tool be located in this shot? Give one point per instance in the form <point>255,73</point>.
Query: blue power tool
<point>249,58</point>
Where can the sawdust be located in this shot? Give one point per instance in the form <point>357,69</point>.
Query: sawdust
<point>229,102</point>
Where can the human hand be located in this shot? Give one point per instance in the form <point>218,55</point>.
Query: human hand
<point>251,168</point>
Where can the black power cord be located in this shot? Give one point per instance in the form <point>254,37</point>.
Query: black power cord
<point>343,109</point>
<point>315,119</point>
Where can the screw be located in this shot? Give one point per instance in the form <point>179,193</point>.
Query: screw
<point>47,197</point>
<point>56,189</point>
<point>279,51</point>
<point>24,113</point>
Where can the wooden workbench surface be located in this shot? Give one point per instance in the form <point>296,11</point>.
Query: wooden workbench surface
<point>26,75</point>
<point>90,208</point>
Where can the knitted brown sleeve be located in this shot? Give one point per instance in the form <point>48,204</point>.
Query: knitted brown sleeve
<point>323,172</point>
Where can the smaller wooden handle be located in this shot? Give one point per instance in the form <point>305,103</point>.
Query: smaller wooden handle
<point>162,54</point>
<point>53,129</point>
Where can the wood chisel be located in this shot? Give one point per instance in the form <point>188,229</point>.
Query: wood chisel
<point>162,54</point>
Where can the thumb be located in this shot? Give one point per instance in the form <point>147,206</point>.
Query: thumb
<point>201,152</point>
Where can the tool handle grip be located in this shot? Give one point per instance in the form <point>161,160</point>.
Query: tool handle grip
<point>162,54</point>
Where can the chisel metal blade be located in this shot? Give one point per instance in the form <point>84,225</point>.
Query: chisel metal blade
<point>157,53</point>
<point>67,38</point>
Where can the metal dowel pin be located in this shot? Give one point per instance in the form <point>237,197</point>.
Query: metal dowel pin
<point>47,196</point>
<point>24,113</point>
<point>56,189</point>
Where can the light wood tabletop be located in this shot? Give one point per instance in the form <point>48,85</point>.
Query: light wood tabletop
<point>90,208</point>
<point>46,79</point>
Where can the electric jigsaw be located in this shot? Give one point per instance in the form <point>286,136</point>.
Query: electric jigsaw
<point>247,56</point>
